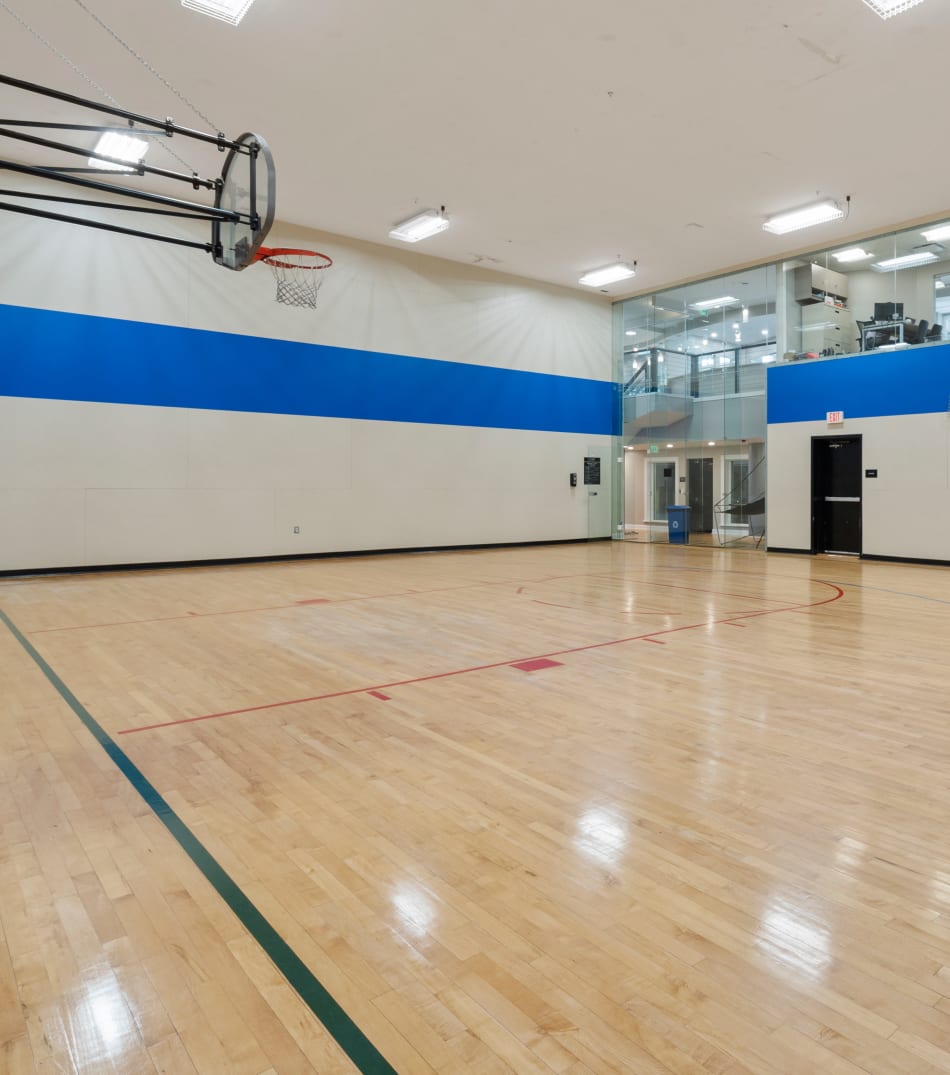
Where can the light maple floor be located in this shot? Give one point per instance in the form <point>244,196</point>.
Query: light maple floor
<point>711,836</point>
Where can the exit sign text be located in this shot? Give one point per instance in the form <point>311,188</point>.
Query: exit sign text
<point>835,418</point>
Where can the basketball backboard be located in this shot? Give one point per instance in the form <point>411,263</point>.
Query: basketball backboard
<point>248,188</point>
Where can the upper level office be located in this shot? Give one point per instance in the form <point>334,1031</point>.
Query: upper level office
<point>692,352</point>
<point>695,358</point>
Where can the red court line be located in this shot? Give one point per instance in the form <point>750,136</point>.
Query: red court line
<point>655,641</point>
<point>379,694</point>
<point>297,604</point>
<point>715,593</point>
<point>382,597</point>
<point>648,636</point>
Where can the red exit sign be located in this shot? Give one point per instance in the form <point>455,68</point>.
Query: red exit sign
<point>835,418</point>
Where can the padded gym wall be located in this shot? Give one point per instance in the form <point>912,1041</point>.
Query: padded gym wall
<point>156,407</point>
<point>898,402</point>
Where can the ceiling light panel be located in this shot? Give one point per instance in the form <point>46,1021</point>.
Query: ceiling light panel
<point>230,11</point>
<point>609,274</point>
<point>907,261</point>
<point>806,217</point>
<point>714,304</point>
<point>935,235</point>
<point>124,146</point>
<point>421,226</point>
<point>887,8</point>
<point>853,253</point>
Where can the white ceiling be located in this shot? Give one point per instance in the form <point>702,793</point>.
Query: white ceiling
<point>558,134</point>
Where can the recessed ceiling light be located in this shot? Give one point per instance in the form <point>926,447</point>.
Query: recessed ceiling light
<point>231,11</point>
<point>934,235</point>
<point>907,261</point>
<point>713,335</point>
<point>609,274</point>
<point>887,8</point>
<point>853,253</point>
<point>713,304</point>
<point>126,147</point>
<point>806,217</point>
<point>421,226</point>
<point>669,445</point>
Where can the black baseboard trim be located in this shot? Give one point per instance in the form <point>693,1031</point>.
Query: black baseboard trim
<point>795,552</point>
<point>166,565</point>
<point>905,560</point>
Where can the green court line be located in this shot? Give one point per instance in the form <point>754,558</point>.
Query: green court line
<point>341,1027</point>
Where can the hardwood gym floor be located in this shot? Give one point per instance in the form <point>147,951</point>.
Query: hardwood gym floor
<point>588,808</point>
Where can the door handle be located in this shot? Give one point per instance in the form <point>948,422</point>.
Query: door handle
<point>843,499</point>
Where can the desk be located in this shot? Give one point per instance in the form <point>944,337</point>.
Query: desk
<point>886,328</point>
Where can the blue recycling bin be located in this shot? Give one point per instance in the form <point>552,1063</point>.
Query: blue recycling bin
<point>677,518</point>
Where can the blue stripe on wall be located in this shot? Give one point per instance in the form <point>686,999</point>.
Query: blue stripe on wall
<point>53,355</point>
<point>911,380</point>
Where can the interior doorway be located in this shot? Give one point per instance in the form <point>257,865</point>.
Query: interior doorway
<point>699,483</point>
<point>836,495</point>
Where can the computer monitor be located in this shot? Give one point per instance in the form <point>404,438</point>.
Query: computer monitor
<point>888,311</point>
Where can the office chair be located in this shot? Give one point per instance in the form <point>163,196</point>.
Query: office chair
<point>922,325</point>
<point>866,340</point>
<point>935,333</point>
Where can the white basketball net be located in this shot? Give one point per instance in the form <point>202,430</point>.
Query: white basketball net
<point>298,274</point>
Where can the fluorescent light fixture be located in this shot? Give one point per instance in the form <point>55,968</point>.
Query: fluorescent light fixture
<point>124,146</point>
<point>231,11</point>
<point>887,8</point>
<point>609,274</point>
<point>768,358</point>
<point>907,261</point>
<point>806,217</point>
<point>712,444</point>
<point>745,314</point>
<point>631,332</point>
<point>421,226</point>
<point>765,332</point>
<point>713,304</point>
<point>934,235</point>
<point>939,284</point>
<point>853,253</point>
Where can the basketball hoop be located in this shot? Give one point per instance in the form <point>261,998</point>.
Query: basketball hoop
<point>297,273</point>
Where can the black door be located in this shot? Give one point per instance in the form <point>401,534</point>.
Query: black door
<point>836,494</point>
<point>700,486</point>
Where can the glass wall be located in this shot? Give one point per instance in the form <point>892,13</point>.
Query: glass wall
<point>694,363</point>
<point>694,406</point>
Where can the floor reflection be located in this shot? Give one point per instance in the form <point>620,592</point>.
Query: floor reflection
<point>795,938</point>
<point>601,835</point>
